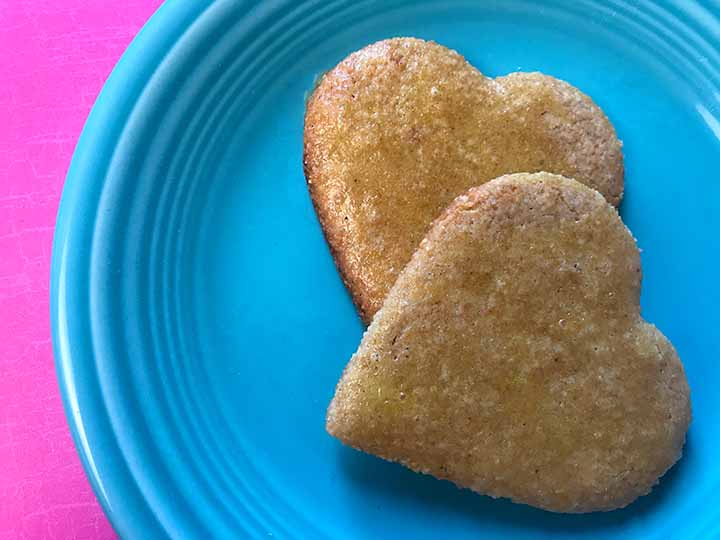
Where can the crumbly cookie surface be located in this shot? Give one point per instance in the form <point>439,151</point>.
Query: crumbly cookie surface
<point>400,128</point>
<point>510,356</point>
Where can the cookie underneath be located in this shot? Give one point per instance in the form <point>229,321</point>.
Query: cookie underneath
<point>510,356</point>
<point>400,128</point>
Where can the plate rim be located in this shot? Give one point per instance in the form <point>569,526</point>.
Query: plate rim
<point>86,176</point>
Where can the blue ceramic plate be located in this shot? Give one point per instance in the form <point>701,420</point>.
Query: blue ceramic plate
<point>200,325</point>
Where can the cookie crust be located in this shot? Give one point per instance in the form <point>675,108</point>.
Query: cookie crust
<point>511,358</point>
<point>400,128</point>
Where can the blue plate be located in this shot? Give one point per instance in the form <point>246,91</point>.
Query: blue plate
<point>198,320</point>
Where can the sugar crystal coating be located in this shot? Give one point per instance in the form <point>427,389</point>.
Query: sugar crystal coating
<point>510,356</point>
<point>400,128</point>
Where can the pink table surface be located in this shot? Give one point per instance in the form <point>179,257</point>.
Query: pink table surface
<point>54,58</point>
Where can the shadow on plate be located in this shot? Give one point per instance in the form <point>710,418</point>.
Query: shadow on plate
<point>377,475</point>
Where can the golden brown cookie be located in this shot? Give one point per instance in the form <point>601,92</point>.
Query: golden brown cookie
<point>400,128</point>
<point>510,356</point>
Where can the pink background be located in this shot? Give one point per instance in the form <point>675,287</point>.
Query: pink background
<point>54,57</point>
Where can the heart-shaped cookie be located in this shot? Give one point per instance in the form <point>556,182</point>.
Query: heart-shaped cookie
<point>400,128</point>
<point>510,356</point>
